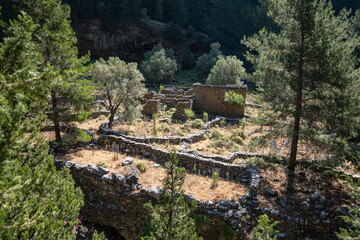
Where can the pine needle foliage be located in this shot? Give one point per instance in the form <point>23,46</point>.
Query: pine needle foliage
<point>308,74</point>
<point>170,217</point>
<point>36,201</point>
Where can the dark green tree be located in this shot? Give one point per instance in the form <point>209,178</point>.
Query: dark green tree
<point>157,10</point>
<point>170,217</point>
<point>353,220</point>
<point>206,62</point>
<point>36,201</point>
<point>308,74</point>
<point>56,40</point>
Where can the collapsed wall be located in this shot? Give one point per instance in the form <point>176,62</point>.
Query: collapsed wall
<point>211,99</point>
<point>208,98</point>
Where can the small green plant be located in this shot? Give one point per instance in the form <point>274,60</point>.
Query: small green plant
<point>189,114</point>
<point>265,230</point>
<point>205,117</point>
<point>260,162</point>
<point>154,124</point>
<point>102,164</point>
<point>197,123</point>
<point>141,165</point>
<point>215,178</point>
<point>161,88</point>
<point>243,219</point>
<point>216,135</point>
<point>243,125</point>
<point>115,157</point>
<point>234,98</point>
<point>238,133</point>
<point>223,123</point>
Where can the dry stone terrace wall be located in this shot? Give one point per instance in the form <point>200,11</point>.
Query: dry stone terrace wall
<point>193,164</point>
<point>212,99</point>
<point>162,140</point>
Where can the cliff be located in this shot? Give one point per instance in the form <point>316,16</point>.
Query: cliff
<point>131,41</point>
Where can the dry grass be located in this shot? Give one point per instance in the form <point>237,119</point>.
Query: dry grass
<point>196,185</point>
<point>142,128</point>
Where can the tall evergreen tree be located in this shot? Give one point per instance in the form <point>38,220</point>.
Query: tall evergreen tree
<point>36,201</point>
<point>170,217</point>
<point>56,40</point>
<point>308,73</point>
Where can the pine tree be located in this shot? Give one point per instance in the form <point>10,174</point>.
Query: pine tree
<point>157,10</point>
<point>206,62</point>
<point>226,71</point>
<point>170,217</point>
<point>121,86</point>
<point>36,201</point>
<point>308,74</point>
<point>56,41</point>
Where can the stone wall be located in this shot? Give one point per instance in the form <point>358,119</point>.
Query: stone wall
<point>193,164</point>
<point>212,100</point>
<point>151,106</point>
<point>193,138</point>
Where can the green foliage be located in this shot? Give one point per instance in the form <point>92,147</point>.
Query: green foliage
<point>260,162</point>
<point>121,87</point>
<point>265,230</point>
<point>353,220</point>
<point>170,218</point>
<point>238,133</point>
<point>197,123</point>
<point>226,71</point>
<point>189,114</point>
<point>313,82</point>
<point>216,135</point>
<point>36,200</point>
<point>206,62</point>
<point>205,117</point>
<point>215,178</point>
<point>169,53</point>
<point>141,165</point>
<point>97,236</point>
<point>155,124</point>
<point>234,98</point>
<point>55,41</point>
<point>102,164</point>
<point>161,88</point>
<point>159,68</point>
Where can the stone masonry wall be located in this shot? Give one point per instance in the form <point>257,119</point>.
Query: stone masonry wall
<point>212,100</point>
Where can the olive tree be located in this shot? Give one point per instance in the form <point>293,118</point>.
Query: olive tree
<point>121,87</point>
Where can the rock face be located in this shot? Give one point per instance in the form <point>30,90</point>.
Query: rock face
<point>132,41</point>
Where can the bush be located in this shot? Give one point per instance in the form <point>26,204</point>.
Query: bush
<point>227,70</point>
<point>197,123</point>
<point>206,117</point>
<point>159,68</point>
<point>234,98</point>
<point>216,135</point>
<point>238,132</point>
<point>238,140</point>
<point>206,62</point>
<point>102,164</point>
<point>265,230</point>
<point>189,114</point>
<point>260,162</point>
<point>141,165</point>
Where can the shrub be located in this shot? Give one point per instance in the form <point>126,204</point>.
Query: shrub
<point>197,123</point>
<point>215,178</point>
<point>102,164</point>
<point>154,124</point>
<point>260,162</point>
<point>206,62</point>
<point>227,70</point>
<point>216,135</point>
<point>159,68</point>
<point>238,140</point>
<point>115,157</point>
<point>161,88</point>
<point>234,98</point>
<point>237,132</point>
<point>189,114</point>
<point>265,230</point>
<point>141,165</point>
<point>206,117</point>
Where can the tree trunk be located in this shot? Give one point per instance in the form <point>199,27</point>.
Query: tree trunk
<point>55,117</point>
<point>111,118</point>
<point>297,118</point>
